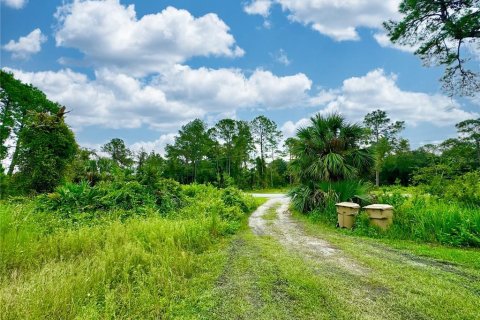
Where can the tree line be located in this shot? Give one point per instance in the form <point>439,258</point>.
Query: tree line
<point>248,154</point>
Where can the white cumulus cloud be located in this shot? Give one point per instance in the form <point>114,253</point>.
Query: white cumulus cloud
<point>377,90</point>
<point>111,35</point>
<point>384,41</point>
<point>157,145</point>
<point>165,102</point>
<point>337,19</point>
<point>15,4</point>
<point>26,46</point>
<point>261,7</point>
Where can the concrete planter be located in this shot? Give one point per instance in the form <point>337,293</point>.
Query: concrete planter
<point>381,215</point>
<point>346,212</point>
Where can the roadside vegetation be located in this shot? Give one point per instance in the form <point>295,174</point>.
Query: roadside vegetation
<point>437,201</point>
<point>66,262</point>
<point>113,233</point>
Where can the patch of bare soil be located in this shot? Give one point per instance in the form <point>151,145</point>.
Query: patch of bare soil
<point>289,233</point>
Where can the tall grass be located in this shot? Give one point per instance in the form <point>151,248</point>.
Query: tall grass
<point>430,219</point>
<point>418,217</point>
<point>139,268</point>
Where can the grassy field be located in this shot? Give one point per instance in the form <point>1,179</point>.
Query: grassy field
<point>417,216</point>
<point>141,268</point>
<point>192,267</point>
<point>263,280</point>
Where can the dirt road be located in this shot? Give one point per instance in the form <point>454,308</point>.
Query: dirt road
<point>286,268</point>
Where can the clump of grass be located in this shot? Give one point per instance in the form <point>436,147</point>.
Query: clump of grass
<point>55,265</point>
<point>429,219</point>
<point>418,217</point>
<point>271,213</point>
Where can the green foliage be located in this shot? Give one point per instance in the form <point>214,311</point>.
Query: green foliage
<point>441,31</point>
<point>168,195</point>
<point>234,197</point>
<point>429,219</point>
<point>192,144</point>
<point>444,181</point>
<point>118,152</point>
<point>327,160</point>
<point>47,148</point>
<point>470,131</point>
<point>382,137</point>
<point>226,204</point>
<point>328,150</point>
<point>465,188</point>
<point>321,197</point>
<point>134,198</point>
<point>402,165</point>
<point>19,102</point>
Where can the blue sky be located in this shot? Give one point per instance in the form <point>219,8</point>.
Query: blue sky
<point>139,70</point>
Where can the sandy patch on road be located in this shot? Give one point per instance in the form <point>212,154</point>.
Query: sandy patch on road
<point>289,233</point>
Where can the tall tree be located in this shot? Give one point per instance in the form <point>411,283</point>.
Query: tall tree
<point>47,147</point>
<point>18,103</point>
<point>192,144</point>
<point>470,130</point>
<point>235,141</point>
<point>382,137</point>
<point>264,131</point>
<point>289,146</point>
<point>445,31</point>
<point>329,150</point>
<point>150,167</point>
<point>119,152</point>
<point>272,145</point>
<point>242,144</point>
<point>225,130</point>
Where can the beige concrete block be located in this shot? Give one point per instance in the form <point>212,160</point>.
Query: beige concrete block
<point>346,212</point>
<point>381,215</point>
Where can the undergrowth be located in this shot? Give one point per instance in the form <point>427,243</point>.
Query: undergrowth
<point>418,217</point>
<point>73,255</point>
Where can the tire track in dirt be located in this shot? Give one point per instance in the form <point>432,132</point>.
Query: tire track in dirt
<point>290,234</point>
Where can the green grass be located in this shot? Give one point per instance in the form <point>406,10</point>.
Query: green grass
<point>136,269</point>
<point>145,267</point>
<point>263,280</point>
<point>190,266</point>
<point>271,213</point>
<point>269,190</point>
<point>417,217</point>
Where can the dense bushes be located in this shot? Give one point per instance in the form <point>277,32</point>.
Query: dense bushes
<point>323,195</point>
<point>442,182</point>
<point>83,204</point>
<point>71,199</point>
<point>430,219</point>
<point>72,254</point>
<point>418,217</point>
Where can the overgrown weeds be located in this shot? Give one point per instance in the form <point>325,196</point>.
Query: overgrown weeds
<point>70,255</point>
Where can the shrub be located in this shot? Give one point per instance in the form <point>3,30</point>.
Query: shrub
<point>429,219</point>
<point>168,195</point>
<point>234,197</point>
<point>465,188</point>
<point>323,195</point>
<point>72,199</point>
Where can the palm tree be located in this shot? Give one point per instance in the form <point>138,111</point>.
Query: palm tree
<point>327,152</point>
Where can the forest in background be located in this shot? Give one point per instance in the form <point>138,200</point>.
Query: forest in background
<point>251,155</point>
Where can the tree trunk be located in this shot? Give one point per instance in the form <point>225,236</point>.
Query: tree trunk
<point>271,170</point>
<point>261,155</point>
<point>13,163</point>
<point>478,151</point>
<point>195,171</point>
<point>377,177</point>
